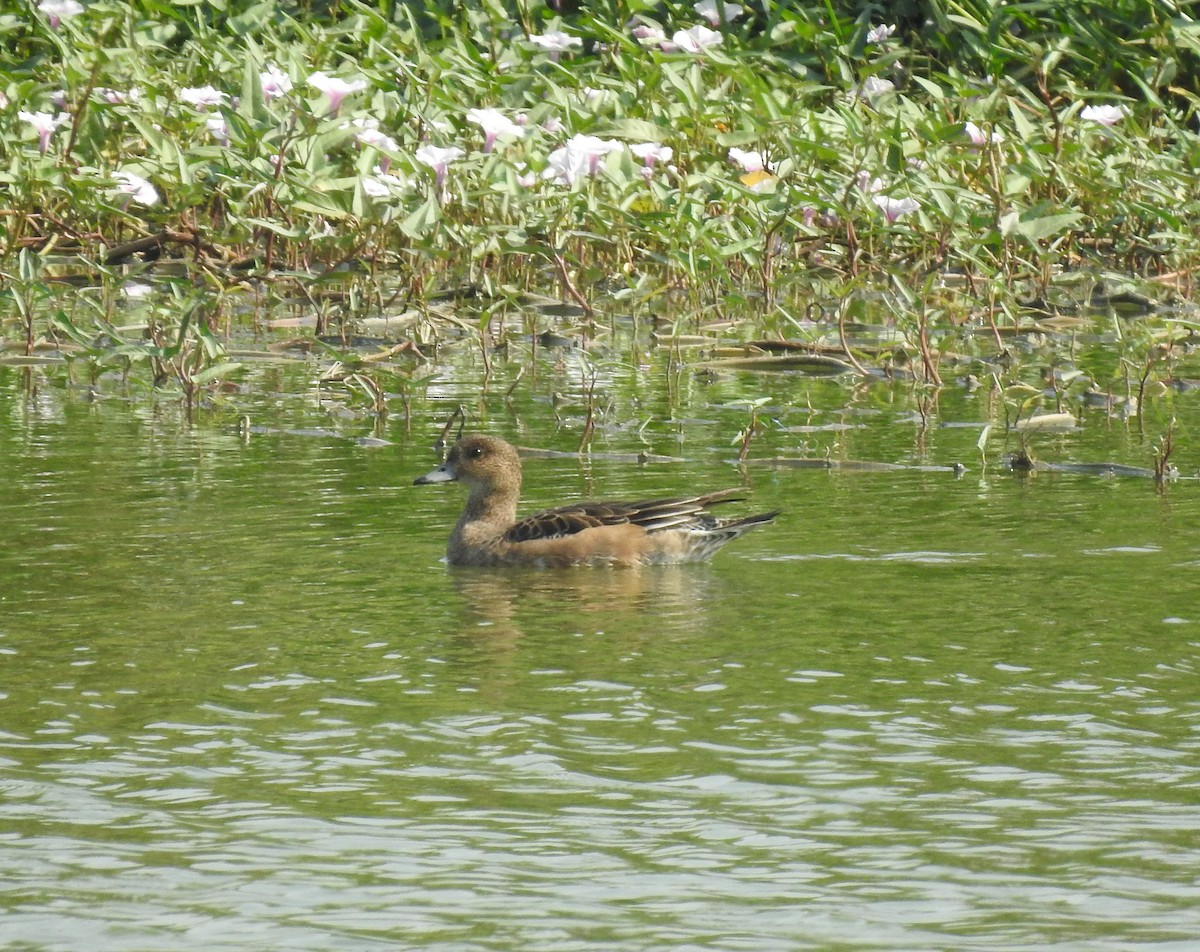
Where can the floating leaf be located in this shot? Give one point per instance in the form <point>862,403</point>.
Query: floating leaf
<point>1056,422</point>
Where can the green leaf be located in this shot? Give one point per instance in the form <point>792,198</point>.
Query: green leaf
<point>216,371</point>
<point>329,211</point>
<point>739,247</point>
<point>424,218</point>
<point>1034,226</point>
<point>1017,184</point>
<point>981,443</point>
<point>930,87</point>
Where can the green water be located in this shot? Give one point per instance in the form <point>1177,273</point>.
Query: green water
<point>243,704</point>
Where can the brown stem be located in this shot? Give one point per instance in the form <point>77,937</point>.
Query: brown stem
<point>564,276</point>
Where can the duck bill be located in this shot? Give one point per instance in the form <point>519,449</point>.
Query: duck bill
<point>443,474</point>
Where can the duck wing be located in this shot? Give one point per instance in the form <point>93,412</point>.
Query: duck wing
<point>653,515</point>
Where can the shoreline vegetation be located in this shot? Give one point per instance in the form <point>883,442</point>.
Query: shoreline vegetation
<point>949,176</point>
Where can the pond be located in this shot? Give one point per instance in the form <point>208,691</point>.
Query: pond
<point>245,703</point>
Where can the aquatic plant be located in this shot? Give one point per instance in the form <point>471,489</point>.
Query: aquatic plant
<point>707,154</point>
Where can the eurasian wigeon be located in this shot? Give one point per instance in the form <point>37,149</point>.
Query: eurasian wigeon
<point>678,529</point>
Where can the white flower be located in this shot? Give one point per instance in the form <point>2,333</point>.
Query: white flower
<point>137,188</point>
<point>565,166</point>
<point>651,152</point>
<point>578,158</point>
<point>58,10</point>
<point>979,137</point>
<point>274,82</point>
<point>494,124</point>
<point>375,188</point>
<point>381,184</point>
<point>44,123</point>
<point>697,39</point>
<point>556,41</point>
<point>201,97</point>
<point>647,34</point>
<point>750,161</point>
<point>115,97</point>
<point>893,208</point>
<point>367,132</point>
<point>217,128</point>
<point>868,185</point>
<point>439,158</point>
<point>335,89</point>
<point>873,87</point>
<point>877,34</point>
<point>1105,115</point>
<point>709,10</point>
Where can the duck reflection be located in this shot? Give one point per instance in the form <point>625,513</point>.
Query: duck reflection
<point>647,601</point>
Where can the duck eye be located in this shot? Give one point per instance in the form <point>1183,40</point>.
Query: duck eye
<point>476,452</point>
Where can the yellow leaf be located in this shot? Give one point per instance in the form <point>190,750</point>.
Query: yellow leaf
<point>759,180</point>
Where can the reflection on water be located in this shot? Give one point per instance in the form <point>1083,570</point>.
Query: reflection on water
<point>509,602</point>
<point>244,703</point>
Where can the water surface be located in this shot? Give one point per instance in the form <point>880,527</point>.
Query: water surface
<point>245,704</point>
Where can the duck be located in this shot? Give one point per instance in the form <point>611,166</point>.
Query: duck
<point>652,531</point>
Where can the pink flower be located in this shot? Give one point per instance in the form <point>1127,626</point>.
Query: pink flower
<point>494,124</point>
<point>710,11</point>
<point>553,125</point>
<point>58,10</point>
<point>335,89</point>
<point>698,39</point>
<point>201,97</point>
<point>1104,115</point>
<point>274,82</point>
<point>44,124</point>
<point>136,189</point>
